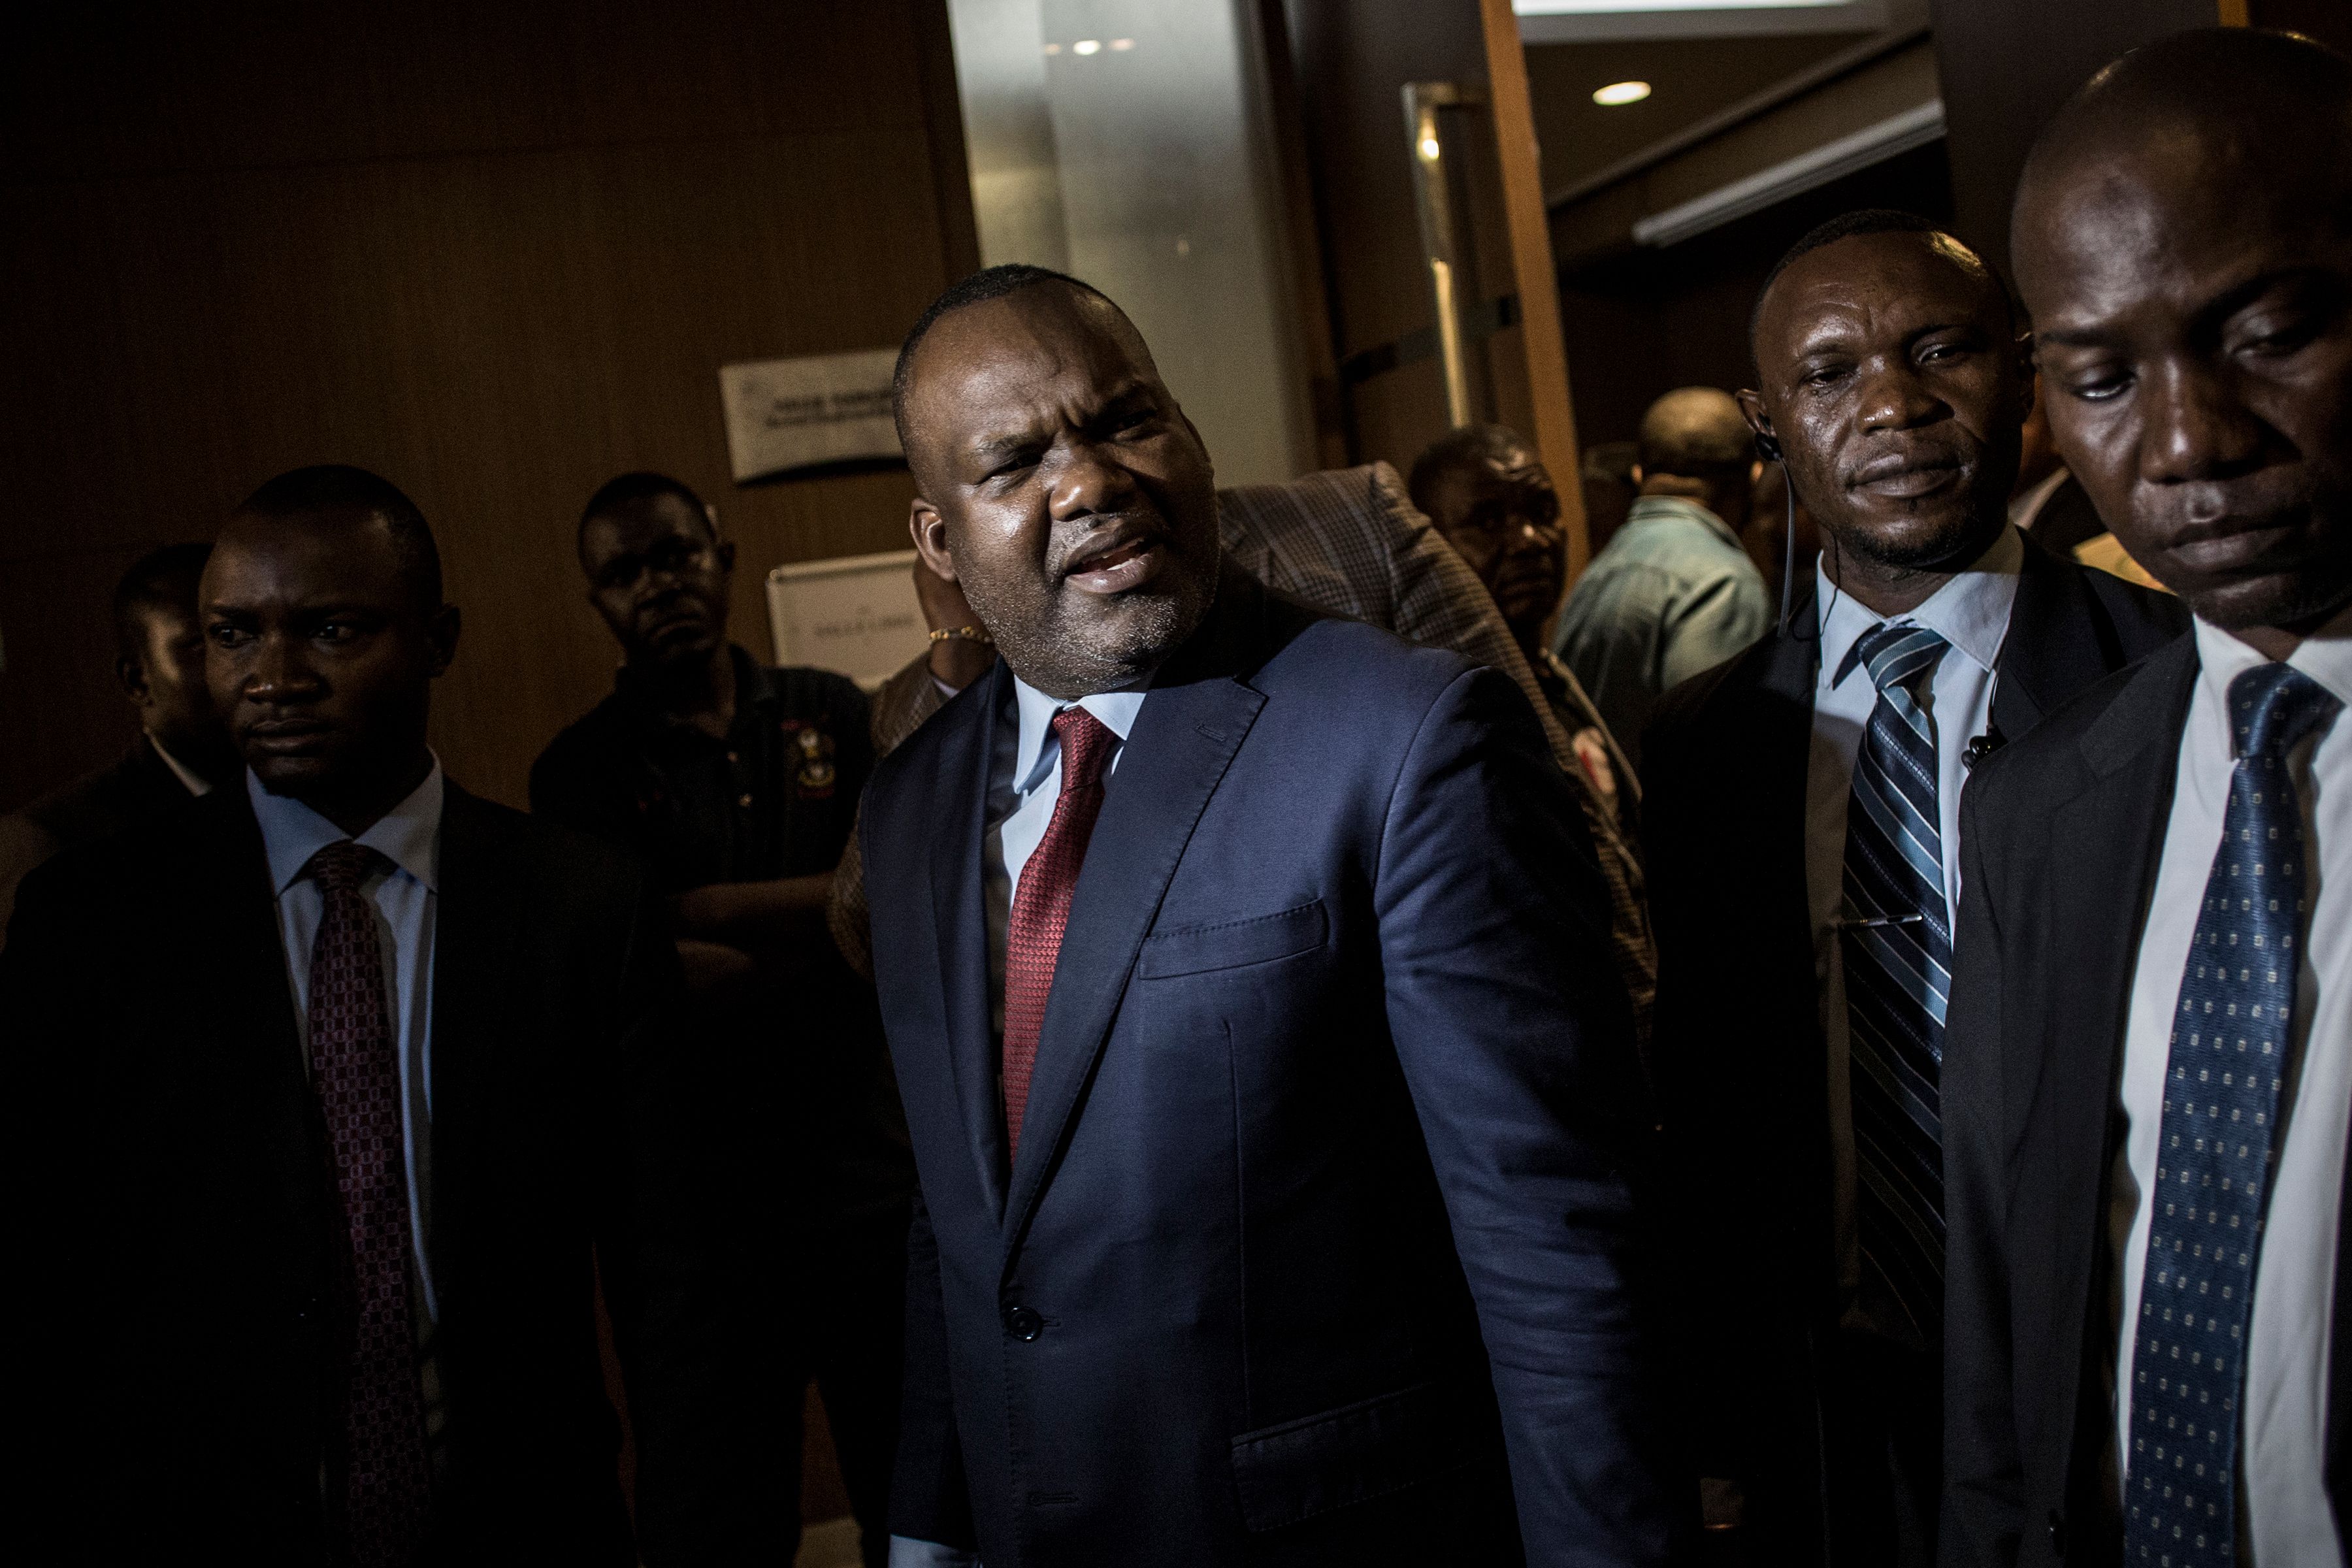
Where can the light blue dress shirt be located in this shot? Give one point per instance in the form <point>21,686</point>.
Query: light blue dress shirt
<point>1972,612</point>
<point>1024,782</point>
<point>409,835</point>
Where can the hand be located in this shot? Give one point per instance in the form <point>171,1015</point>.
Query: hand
<point>712,967</point>
<point>1593,752</point>
<point>955,661</point>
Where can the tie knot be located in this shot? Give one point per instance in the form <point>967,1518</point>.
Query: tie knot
<point>2273,706</point>
<point>1896,656</point>
<point>1085,742</point>
<point>344,865</point>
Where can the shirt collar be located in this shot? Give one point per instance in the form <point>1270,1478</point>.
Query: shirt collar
<point>409,834</point>
<point>2024,509</point>
<point>1970,612</point>
<point>1031,762</point>
<point>1647,507</point>
<point>194,782</point>
<point>2326,655</point>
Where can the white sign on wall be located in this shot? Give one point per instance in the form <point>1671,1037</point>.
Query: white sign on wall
<point>791,412</point>
<point>858,615</point>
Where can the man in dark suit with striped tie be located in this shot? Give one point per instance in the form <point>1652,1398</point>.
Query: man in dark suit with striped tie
<point>2150,1056</point>
<point>1800,811</point>
<point>341,1090</point>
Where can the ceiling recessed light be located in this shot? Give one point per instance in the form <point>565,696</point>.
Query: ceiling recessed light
<point>1619,92</point>
<point>1121,46</point>
<point>1087,46</point>
<point>1429,149</point>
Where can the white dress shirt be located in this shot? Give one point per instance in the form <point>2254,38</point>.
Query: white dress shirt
<point>405,900</point>
<point>1024,782</point>
<point>2282,1495</point>
<point>1971,611</point>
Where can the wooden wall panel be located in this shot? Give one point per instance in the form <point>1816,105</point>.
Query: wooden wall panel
<point>2007,65</point>
<point>496,253</point>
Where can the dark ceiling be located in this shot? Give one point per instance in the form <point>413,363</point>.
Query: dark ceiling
<point>1690,79</point>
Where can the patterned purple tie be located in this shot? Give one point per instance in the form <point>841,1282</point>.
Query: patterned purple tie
<point>387,1486</point>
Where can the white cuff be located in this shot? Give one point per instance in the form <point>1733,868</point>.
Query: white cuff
<point>907,1552</point>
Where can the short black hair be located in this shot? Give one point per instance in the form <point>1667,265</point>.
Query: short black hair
<point>988,283</point>
<point>1864,220</point>
<point>633,489</point>
<point>162,579</point>
<point>1469,446</point>
<point>339,490</point>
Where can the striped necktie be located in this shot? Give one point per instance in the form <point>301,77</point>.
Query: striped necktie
<point>2214,1145</point>
<point>1896,935</point>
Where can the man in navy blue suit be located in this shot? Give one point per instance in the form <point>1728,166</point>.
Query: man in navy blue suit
<point>1275,1102</point>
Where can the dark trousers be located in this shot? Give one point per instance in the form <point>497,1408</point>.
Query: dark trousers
<point>1882,1421</point>
<point>829,1308</point>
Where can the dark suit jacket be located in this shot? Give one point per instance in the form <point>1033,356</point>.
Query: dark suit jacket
<point>1740,1058</point>
<point>1335,1003</point>
<point>136,787</point>
<point>186,1235</point>
<point>2061,841</point>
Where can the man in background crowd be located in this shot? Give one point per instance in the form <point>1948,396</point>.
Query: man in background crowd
<point>1487,491</point>
<point>2150,1058</point>
<point>737,785</point>
<point>1673,591</point>
<point>183,749</point>
<point>344,1088</point>
<point>1800,814</point>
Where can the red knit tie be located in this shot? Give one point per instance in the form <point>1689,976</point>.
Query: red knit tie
<point>1041,907</point>
<point>387,1488</point>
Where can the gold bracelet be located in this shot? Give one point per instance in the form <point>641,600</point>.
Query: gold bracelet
<point>969,634</point>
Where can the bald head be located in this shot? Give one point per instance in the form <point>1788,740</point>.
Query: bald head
<point>2183,236</point>
<point>1695,432</point>
<point>2265,112</point>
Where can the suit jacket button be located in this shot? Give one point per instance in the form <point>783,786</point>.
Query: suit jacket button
<point>1022,1323</point>
<point>2057,1532</point>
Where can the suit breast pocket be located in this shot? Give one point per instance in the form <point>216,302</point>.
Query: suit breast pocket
<point>1231,944</point>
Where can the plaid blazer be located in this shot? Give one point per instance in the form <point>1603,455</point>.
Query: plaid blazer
<point>1348,542</point>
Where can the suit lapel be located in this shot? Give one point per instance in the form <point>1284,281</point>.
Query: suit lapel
<point>478,911</point>
<point>239,954</point>
<point>2054,645</point>
<point>2107,840</point>
<point>1185,736</point>
<point>958,913</point>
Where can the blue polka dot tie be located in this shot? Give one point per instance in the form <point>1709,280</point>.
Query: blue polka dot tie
<point>1897,940</point>
<point>2213,1153</point>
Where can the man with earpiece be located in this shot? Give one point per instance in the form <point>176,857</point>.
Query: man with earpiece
<point>1801,811</point>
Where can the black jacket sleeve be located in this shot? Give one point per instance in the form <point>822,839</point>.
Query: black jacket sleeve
<point>1983,1471</point>
<point>927,1497</point>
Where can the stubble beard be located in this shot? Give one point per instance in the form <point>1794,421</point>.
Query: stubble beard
<point>1062,655</point>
